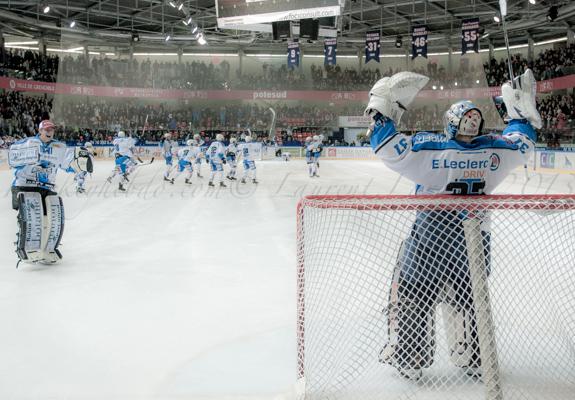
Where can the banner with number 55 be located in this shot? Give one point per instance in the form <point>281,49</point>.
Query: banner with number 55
<point>470,35</point>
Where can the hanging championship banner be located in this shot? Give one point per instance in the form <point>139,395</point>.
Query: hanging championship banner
<point>419,41</point>
<point>330,50</point>
<point>372,46</point>
<point>470,35</point>
<point>293,54</point>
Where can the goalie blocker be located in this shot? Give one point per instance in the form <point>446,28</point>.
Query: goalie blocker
<point>40,223</point>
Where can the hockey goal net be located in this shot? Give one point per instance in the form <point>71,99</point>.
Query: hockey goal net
<point>436,297</point>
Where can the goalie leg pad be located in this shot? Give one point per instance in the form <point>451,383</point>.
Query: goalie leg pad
<point>411,315</point>
<point>53,229</point>
<point>461,328</point>
<point>30,217</point>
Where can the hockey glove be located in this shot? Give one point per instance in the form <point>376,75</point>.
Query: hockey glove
<point>390,96</point>
<point>519,99</point>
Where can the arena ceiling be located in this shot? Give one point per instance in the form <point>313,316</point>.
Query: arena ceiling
<point>111,24</point>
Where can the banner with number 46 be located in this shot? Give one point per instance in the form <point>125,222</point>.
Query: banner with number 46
<point>419,42</point>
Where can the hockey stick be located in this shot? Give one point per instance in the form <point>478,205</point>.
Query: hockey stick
<point>482,306</point>
<point>146,163</point>
<point>503,9</point>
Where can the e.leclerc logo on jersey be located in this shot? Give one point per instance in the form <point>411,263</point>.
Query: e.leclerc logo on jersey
<point>495,162</point>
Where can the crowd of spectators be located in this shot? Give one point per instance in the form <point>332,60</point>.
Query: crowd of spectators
<point>199,75</point>
<point>28,64</point>
<point>20,114</point>
<point>549,64</point>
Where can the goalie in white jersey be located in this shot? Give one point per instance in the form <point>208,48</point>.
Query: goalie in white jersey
<point>432,266</point>
<point>248,151</point>
<point>36,161</point>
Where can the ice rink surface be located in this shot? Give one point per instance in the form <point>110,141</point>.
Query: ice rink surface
<point>173,292</point>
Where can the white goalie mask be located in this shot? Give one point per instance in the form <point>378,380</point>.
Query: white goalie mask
<point>463,118</point>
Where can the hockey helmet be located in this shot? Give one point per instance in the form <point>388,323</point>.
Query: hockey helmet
<point>463,118</point>
<point>121,134</point>
<point>190,142</point>
<point>248,139</point>
<point>220,137</point>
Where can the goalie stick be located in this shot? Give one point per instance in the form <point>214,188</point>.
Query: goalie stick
<point>483,314</point>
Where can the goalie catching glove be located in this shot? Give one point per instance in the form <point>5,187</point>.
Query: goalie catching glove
<point>519,99</point>
<point>390,96</point>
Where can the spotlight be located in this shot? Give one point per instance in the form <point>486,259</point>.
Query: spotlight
<point>168,37</point>
<point>201,39</point>
<point>398,42</point>
<point>72,24</point>
<point>194,29</point>
<point>187,21</point>
<point>434,87</point>
<point>496,18</point>
<point>173,4</point>
<point>135,37</point>
<point>180,6</point>
<point>477,81</point>
<point>552,14</point>
<point>532,2</point>
<point>455,83</point>
<point>46,8</point>
<point>441,87</point>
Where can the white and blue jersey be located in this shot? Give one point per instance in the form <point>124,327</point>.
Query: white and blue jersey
<point>124,153</point>
<point>186,156</point>
<point>438,165</point>
<point>231,152</point>
<point>215,155</point>
<point>310,151</point>
<point>36,163</point>
<point>168,150</point>
<point>249,152</point>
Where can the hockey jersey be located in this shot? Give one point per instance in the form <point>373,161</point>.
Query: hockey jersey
<point>439,165</point>
<point>249,151</point>
<point>124,147</point>
<point>36,163</point>
<point>216,152</point>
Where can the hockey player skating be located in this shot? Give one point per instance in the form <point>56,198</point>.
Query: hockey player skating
<point>125,160</point>
<point>83,164</point>
<point>216,158</point>
<point>432,265</point>
<point>318,140</point>
<point>231,153</point>
<point>248,150</point>
<point>36,161</point>
<point>310,151</point>
<point>168,147</point>
<point>186,157</point>
<point>198,162</point>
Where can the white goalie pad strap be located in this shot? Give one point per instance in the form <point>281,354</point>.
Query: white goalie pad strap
<point>461,335</point>
<point>30,216</point>
<point>53,226</point>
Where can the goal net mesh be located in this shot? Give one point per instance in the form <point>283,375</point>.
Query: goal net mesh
<point>446,297</point>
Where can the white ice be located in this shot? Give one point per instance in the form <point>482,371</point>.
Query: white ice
<point>172,292</point>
